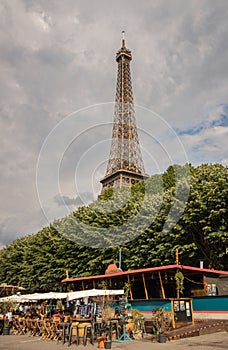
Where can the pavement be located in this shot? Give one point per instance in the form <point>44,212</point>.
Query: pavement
<point>215,341</point>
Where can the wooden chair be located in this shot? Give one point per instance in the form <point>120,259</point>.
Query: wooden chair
<point>40,327</point>
<point>56,330</point>
<point>35,327</point>
<point>28,326</point>
<point>15,325</point>
<point>56,319</point>
<point>47,329</point>
<point>66,319</point>
<point>22,325</point>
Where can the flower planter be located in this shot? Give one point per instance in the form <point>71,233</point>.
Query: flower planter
<point>6,331</point>
<point>101,341</point>
<point>108,344</point>
<point>162,338</point>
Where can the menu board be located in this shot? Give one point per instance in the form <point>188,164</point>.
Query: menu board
<point>182,311</point>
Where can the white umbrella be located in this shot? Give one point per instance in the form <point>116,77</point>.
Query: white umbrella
<point>56,295</point>
<point>34,297</point>
<point>45,296</point>
<point>93,293</point>
<point>14,298</point>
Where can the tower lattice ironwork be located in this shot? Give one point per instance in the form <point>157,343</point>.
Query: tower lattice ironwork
<point>125,165</point>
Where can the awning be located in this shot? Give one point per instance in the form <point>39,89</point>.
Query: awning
<point>55,295</point>
<point>93,293</point>
<point>15,298</point>
<point>46,296</point>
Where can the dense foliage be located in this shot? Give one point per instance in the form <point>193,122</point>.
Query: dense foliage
<point>184,208</point>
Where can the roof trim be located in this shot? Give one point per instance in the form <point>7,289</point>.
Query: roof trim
<point>145,270</point>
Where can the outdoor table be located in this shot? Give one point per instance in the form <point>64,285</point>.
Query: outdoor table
<point>75,319</point>
<point>124,337</point>
<point>81,327</point>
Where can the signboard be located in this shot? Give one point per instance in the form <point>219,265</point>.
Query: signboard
<point>182,310</point>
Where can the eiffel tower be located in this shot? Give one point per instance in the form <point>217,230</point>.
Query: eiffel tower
<point>125,165</point>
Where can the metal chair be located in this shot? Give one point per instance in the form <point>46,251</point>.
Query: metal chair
<point>88,333</point>
<point>73,332</point>
<point>114,330</point>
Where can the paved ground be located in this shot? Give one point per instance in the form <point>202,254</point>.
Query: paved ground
<point>215,341</point>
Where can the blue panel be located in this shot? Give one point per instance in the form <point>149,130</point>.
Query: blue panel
<point>150,305</point>
<point>210,303</point>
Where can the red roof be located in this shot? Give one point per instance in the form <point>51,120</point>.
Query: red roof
<point>9,286</point>
<point>145,270</point>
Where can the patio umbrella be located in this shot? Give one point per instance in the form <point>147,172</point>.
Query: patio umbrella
<point>46,296</point>
<point>93,293</point>
<point>14,298</point>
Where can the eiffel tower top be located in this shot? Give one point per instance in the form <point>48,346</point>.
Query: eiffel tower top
<point>123,51</point>
<point>125,165</point>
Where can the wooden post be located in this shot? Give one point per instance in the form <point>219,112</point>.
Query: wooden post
<point>129,281</point>
<point>173,316</point>
<point>161,284</point>
<point>177,256</point>
<point>205,284</point>
<point>83,286</point>
<point>94,285</point>
<point>193,318</point>
<point>144,283</point>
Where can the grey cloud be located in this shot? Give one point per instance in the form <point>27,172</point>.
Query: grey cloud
<point>54,57</point>
<point>23,222</point>
<point>57,57</point>
<point>81,199</point>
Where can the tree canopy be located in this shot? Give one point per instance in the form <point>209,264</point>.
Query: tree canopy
<point>184,208</point>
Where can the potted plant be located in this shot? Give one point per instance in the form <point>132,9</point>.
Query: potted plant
<point>138,319</point>
<point>179,278</point>
<point>127,288</point>
<point>161,322</point>
<point>107,344</point>
<point>104,284</point>
<point>59,305</point>
<point>6,328</point>
<point>107,314</point>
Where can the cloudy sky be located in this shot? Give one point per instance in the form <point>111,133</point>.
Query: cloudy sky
<point>57,83</point>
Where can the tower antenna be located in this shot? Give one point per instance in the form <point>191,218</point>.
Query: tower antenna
<point>123,38</point>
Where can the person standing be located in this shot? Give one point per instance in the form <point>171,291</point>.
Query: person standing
<point>9,317</point>
<point>1,322</point>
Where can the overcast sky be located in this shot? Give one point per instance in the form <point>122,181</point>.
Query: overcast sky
<point>58,77</point>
